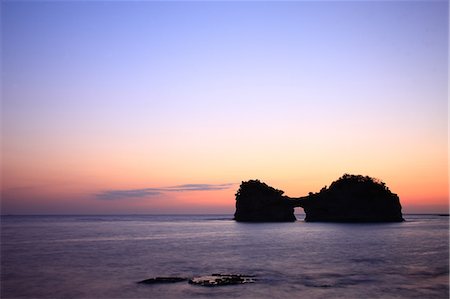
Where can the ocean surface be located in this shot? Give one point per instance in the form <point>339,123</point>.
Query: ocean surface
<point>104,257</point>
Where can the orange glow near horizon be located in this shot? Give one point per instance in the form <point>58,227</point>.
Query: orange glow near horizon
<point>52,180</point>
<point>416,195</point>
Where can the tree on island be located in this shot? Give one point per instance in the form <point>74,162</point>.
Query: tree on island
<point>351,198</point>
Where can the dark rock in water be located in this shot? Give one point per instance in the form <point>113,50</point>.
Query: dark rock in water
<point>215,280</point>
<point>163,280</point>
<point>257,202</point>
<point>352,198</point>
<point>212,280</point>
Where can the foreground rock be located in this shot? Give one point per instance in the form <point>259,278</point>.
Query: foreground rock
<point>221,280</point>
<point>156,280</point>
<point>256,202</point>
<point>212,280</point>
<point>351,198</point>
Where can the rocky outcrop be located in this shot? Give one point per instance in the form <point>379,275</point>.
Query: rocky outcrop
<point>258,202</point>
<point>351,198</point>
<point>213,280</point>
<point>157,280</point>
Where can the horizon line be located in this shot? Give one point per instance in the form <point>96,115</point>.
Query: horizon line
<point>179,214</point>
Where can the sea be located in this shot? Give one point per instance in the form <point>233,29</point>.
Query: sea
<point>105,256</point>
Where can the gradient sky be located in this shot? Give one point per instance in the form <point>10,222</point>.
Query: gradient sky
<point>165,107</point>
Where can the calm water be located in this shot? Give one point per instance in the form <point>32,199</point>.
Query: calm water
<point>104,256</point>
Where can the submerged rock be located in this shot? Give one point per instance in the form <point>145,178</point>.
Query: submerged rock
<point>351,198</point>
<point>155,280</point>
<point>256,202</point>
<point>212,280</point>
<point>215,280</point>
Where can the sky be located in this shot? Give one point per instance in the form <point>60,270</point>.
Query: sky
<point>149,107</point>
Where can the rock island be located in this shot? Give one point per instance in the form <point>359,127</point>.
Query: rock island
<point>351,198</point>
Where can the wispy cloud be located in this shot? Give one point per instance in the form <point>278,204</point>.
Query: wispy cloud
<point>198,187</point>
<point>119,194</point>
<point>148,192</point>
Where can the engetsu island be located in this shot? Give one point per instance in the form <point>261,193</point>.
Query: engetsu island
<point>351,198</point>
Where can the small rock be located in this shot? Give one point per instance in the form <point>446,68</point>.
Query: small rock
<point>221,280</point>
<point>163,280</point>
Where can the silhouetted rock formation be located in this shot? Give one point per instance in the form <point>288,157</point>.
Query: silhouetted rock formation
<point>352,198</point>
<point>258,202</point>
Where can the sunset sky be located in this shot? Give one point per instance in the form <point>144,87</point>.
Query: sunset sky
<point>119,107</point>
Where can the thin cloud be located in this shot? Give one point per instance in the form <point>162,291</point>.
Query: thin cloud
<point>149,192</point>
<point>198,187</point>
<point>119,194</point>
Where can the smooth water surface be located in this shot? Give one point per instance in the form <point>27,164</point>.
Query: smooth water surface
<point>104,257</point>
